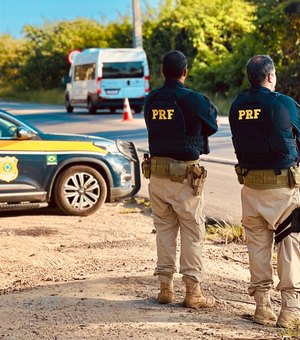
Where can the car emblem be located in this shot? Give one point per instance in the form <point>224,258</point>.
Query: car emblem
<point>8,168</point>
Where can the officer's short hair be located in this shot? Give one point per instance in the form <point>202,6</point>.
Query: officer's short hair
<point>258,68</point>
<point>173,65</point>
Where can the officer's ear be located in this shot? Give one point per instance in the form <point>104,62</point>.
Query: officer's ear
<point>185,72</point>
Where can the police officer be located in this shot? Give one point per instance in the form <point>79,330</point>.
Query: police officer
<point>265,129</point>
<point>178,120</point>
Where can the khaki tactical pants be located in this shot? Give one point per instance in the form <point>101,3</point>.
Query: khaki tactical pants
<point>176,209</point>
<point>262,212</point>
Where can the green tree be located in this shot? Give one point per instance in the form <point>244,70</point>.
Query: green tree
<point>10,52</point>
<point>42,61</point>
<point>206,31</point>
<point>277,34</point>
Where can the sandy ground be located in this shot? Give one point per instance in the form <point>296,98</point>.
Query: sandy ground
<point>66,277</point>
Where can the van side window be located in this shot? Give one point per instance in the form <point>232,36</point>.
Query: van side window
<point>85,72</point>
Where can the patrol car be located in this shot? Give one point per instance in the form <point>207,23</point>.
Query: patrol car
<point>76,173</point>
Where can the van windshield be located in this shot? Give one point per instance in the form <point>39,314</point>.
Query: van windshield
<point>123,70</point>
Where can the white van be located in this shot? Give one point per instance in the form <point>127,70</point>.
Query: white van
<point>100,78</point>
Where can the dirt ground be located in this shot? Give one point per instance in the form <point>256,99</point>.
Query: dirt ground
<point>92,277</point>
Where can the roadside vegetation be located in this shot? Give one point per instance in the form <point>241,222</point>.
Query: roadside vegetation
<point>218,40</point>
<point>51,96</point>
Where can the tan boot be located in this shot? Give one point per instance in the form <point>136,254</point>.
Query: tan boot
<point>194,297</point>
<point>166,294</point>
<point>264,314</point>
<point>289,316</point>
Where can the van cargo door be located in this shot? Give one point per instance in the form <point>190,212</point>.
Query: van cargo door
<point>123,79</point>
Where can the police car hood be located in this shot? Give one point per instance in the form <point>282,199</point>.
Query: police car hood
<point>75,137</point>
<point>106,143</point>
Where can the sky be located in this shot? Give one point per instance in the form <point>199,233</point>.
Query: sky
<point>14,14</point>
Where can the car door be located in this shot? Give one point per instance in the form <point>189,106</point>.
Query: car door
<point>21,168</point>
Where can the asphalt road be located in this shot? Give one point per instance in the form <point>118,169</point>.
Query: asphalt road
<point>222,191</point>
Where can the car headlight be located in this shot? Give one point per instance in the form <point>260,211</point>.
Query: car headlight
<point>109,147</point>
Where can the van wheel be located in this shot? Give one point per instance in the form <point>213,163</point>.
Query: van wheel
<point>138,109</point>
<point>68,105</point>
<point>91,107</point>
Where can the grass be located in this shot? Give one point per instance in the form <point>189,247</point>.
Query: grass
<point>223,104</point>
<point>53,96</point>
<point>56,97</point>
<point>293,332</point>
<point>223,232</point>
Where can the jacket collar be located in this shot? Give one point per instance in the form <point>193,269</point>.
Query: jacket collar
<point>260,89</point>
<point>174,83</point>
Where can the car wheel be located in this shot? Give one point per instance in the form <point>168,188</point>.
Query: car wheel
<point>80,190</point>
<point>91,107</point>
<point>68,105</point>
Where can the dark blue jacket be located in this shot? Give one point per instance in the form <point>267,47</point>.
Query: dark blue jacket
<point>265,126</point>
<point>186,137</point>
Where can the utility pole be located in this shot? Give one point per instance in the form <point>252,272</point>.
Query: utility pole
<point>137,24</point>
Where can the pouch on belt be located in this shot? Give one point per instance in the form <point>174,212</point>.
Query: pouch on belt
<point>178,171</point>
<point>294,177</point>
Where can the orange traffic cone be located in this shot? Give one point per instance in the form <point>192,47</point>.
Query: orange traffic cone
<point>127,115</point>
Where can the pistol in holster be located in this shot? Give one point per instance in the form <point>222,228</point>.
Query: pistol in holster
<point>294,176</point>
<point>146,167</point>
<point>196,178</point>
<point>241,173</point>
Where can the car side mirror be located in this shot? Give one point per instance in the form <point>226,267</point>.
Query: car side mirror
<point>23,132</point>
<point>65,80</point>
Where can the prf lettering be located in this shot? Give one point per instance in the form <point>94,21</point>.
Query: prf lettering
<point>249,114</point>
<point>162,114</point>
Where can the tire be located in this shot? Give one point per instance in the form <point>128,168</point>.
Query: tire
<point>138,109</point>
<point>68,105</point>
<point>112,109</point>
<point>91,107</point>
<point>80,190</point>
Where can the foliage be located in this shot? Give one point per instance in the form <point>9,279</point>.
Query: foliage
<point>276,34</point>
<point>205,31</point>
<point>9,56</point>
<point>278,21</point>
<point>53,96</point>
<point>218,36</point>
<point>41,61</point>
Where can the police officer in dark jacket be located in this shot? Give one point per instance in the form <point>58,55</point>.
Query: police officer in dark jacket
<point>265,129</point>
<point>179,121</point>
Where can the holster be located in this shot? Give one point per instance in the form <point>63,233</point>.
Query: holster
<point>196,178</point>
<point>146,168</point>
<point>294,177</point>
<point>241,172</point>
